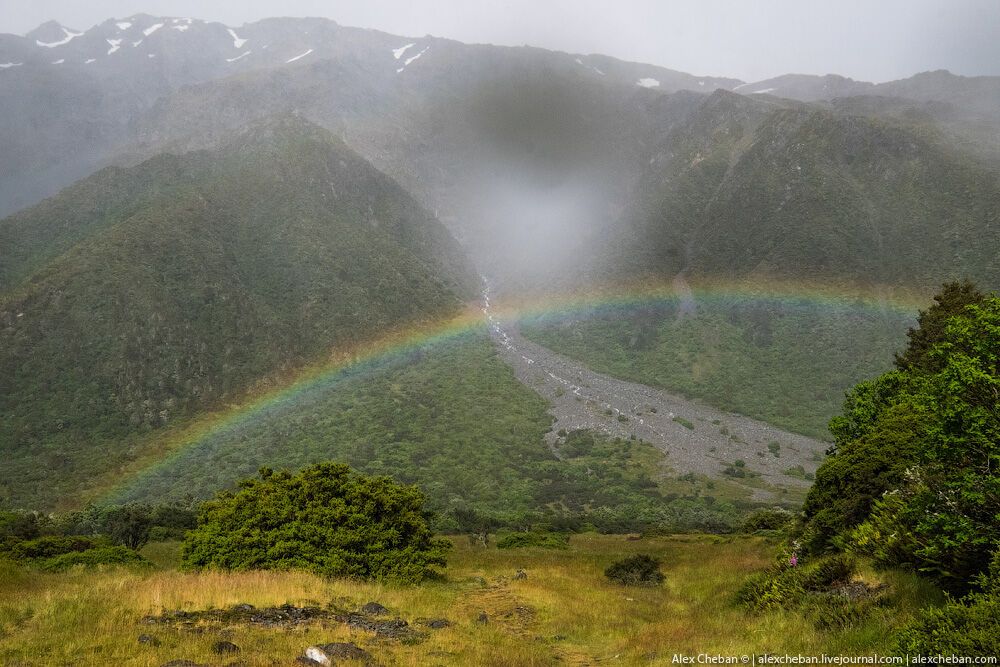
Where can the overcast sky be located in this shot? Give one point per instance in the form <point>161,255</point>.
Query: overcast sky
<point>875,40</point>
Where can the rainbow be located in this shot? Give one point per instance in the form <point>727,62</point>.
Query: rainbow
<point>304,384</point>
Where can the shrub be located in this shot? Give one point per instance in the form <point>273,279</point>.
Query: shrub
<point>533,539</point>
<point>325,519</point>
<point>55,545</point>
<point>684,422</point>
<point>784,586</point>
<point>967,627</point>
<point>638,570</point>
<point>767,519</point>
<point>108,555</point>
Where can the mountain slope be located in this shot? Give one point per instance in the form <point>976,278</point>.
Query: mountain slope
<point>228,267</point>
<point>766,189</point>
<point>86,87</point>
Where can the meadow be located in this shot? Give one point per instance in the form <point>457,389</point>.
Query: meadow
<point>564,612</point>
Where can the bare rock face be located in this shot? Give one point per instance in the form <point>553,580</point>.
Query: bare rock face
<point>325,654</point>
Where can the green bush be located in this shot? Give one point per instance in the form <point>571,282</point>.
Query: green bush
<point>966,627</point>
<point>325,519</point>
<point>533,539</point>
<point>638,570</point>
<point>786,586</point>
<point>55,545</point>
<point>767,519</point>
<point>107,555</point>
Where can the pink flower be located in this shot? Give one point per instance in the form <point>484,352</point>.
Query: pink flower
<point>794,560</point>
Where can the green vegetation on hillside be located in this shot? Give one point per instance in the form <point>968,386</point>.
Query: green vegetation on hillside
<point>763,188</point>
<point>457,423</point>
<point>786,363</point>
<point>140,297</point>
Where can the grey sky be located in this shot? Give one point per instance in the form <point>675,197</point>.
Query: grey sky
<point>875,40</point>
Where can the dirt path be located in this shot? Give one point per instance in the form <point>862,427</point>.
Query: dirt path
<point>694,437</point>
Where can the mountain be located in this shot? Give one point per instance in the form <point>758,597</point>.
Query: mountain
<point>88,87</point>
<point>754,188</point>
<point>140,296</point>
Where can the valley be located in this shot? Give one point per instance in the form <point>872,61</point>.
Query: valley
<point>332,345</point>
<point>693,437</point>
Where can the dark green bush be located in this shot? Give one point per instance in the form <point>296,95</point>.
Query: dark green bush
<point>55,545</point>
<point>969,627</point>
<point>966,627</point>
<point>784,586</point>
<point>325,519</point>
<point>533,539</point>
<point>638,570</point>
<point>767,519</point>
<point>107,555</point>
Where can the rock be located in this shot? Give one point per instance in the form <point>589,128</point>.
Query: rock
<point>395,628</point>
<point>482,618</point>
<point>244,608</point>
<point>325,654</point>
<point>438,623</point>
<point>149,639</point>
<point>374,609</point>
<point>304,660</point>
<point>519,575</point>
<point>222,647</point>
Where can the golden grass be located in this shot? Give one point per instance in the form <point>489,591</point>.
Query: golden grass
<point>565,612</point>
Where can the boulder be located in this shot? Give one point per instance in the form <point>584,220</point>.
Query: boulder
<point>223,647</point>
<point>325,654</point>
<point>374,609</point>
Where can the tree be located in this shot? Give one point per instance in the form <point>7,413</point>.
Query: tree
<point>476,525</point>
<point>325,519</point>
<point>913,477</point>
<point>949,302</point>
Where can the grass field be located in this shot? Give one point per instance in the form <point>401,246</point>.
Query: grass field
<point>564,612</point>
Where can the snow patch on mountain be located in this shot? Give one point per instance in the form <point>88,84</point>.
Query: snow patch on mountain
<point>647,82</point>
<point>124,25</point>
<point>59,62</point>
<point>237,42</point>
<point>151,29</point>
<point>69,36</point>
<point>9,65</point>
<point>398,53</point>
<point>301,55</point>
<point>115,45</point>
<point>409,60</point>
<point>762,91</point>
<point>239,57</point>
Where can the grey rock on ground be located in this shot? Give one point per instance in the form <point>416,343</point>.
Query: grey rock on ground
<point>326,654</point>
<point>374,609</point>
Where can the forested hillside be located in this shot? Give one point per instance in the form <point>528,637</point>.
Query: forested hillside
<point>141,296</point>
